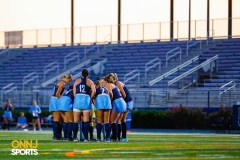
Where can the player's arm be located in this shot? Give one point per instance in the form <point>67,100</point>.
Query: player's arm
<point>93,88</point>
<point>120,87</point>
<point>12,107</point>
<point>3,106</point>
<point>109,90</point>
<point>74,89</point>
<point>60,88</point>
<point>94,101</point>
<point>39,110</point>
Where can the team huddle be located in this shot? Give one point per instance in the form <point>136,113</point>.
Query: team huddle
<point>73,110</point>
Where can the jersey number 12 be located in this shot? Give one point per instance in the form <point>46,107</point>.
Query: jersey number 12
<point>82,88</point>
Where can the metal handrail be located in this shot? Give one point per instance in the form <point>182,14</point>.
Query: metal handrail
<point>158,62</point>
<point>229,88</point>
<point>92,47</point>
<point>188,46</point>
<point>173,71</point>
<point>53,65</point>
<point>92,67</point>
<point>175,49</point>
<point>44,84</point>
<point>181,89</point>
<point>28,78</point>
<point>192,70</point>
<point>213,34</point>
<point>13,87</point>
<point>137,74</point>
<point>72,56</point>
<point>6,50</point>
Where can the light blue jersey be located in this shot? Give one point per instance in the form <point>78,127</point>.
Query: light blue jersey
<point>35,110</point>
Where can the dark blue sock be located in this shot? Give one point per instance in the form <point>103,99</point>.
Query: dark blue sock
<point>60,130</point>
<point>80,124</point>
<point>85,130</point>
<point>57,125</point>
<point>75,130</point>
<point>69,130</point>
<point>90,131</point>
<point>65,125</point>
<point>103,132</point>
<point>107,130</point>
<point>124,130</point>
<point>8,125</point>
<point>119,126</point>
<point>54,129</point>
<point>114,130</point>
<point>99,129</point>
<point>82,127</point>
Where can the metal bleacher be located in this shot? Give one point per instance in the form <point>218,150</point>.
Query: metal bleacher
<point>123,58</point>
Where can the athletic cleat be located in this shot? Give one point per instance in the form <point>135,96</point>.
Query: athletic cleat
<point>75,140</point>
<point>81,140</point>
<point>64,139</point>
<point>92,139</point>
<point>124,140</point>
<point>55,139</point>
<point>98,140</point>
<point>108,140</point>
<point>85,140</point>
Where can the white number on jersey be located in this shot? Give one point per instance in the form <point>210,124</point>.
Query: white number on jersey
<point>82,89</point>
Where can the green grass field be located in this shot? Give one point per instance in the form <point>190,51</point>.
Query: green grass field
<point>140,146</point>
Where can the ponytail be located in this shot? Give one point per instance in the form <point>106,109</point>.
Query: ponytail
<point>85,74</point>
<point>85,80</point>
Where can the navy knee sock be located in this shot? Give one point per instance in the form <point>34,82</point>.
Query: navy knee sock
<point>103,131</point>
<point>124,130</point>
<point>8,125</point>
<point>99,129</point>
<point>53,128</point>
<point>75,130</point>
<point>65,125</point>
<point>80,124</point>
<point>82,127</point>
<point>107,130</point>
<point>119,126</point>
<point>85,130</point>
<point>114,130</point>
<point>57,126</point>
<point>4,126</point>
<point>60,130</point>
<point>91,131</point>
<point>69,130</point>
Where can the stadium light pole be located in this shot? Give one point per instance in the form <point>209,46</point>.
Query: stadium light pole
<point>189,20</point>
<point>229,18</point>
<point>171,19</point>
<point>72,21</point>
<point>207,18</point>
<point>119,20</point>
